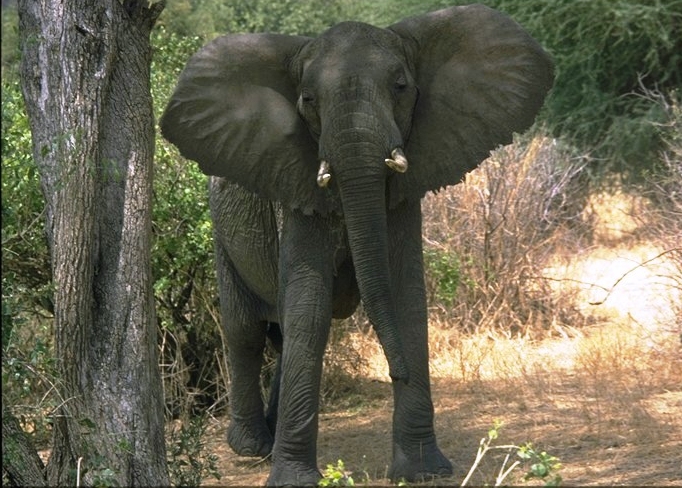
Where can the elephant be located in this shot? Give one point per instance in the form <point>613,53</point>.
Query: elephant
<point>319,151</point>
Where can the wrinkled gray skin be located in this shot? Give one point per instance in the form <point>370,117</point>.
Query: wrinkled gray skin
<point>294,248</point>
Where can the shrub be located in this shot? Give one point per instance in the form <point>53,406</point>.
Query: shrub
<point>209,18</point>
<point>185,287</point>
<point>28,381</point>
<point>25,256</point>
<point>488,239</point>
<point>607,54</point>
<point>188,462</point>
<point>444,275</point>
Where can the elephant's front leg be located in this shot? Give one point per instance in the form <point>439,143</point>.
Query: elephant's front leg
<point>306,279</point>
<point>416,454</point>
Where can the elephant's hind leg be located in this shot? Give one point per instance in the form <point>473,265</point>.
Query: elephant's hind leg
<point>275,336</point>
<point>248,433</point>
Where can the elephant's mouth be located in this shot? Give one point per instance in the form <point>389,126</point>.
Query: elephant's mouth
<point>397,162</point>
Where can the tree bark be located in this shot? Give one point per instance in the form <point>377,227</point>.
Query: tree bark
<point>86,83</point>
<point>20,461</point>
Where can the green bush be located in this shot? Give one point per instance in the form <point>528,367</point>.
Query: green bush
<point>27,359</point>
<point>185,287</point>
<point>444,274</point>
<point>10,40</point>
<point>209,18</point>
<point>607,54</point>
<point>188,462</point>
<point>25,258</point>
<point>28,365</point>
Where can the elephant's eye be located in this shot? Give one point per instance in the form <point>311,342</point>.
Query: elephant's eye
<point>307,97</point>
<point>400,84</point>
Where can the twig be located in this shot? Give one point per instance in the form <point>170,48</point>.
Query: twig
<point>78,472</point>
<point>261,461</point>
<point>571,280</point>
<point>483,448</point>
<point>610,290</point>
<point>504,473</point>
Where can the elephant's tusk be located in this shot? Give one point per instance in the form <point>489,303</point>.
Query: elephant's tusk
<point>323,174</point>
<point>398,161</point>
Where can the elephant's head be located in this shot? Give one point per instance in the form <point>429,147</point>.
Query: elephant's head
<point>359,119</point>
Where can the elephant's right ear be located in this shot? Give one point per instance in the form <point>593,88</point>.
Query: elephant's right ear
<point>481,78</point>
<point>234,112</point>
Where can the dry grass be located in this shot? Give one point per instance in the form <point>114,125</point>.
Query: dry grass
<point>572,340</point>
<point>497,230</point>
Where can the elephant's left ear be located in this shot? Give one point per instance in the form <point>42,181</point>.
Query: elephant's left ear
<point>481,78</point>
<point>234,112</point>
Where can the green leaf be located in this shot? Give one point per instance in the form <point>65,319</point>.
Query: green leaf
<point>540,470</point>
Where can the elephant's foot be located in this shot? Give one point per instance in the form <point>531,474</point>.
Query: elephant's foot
<point>293,474</point>
<point>250,438</point>
<point>421,463</point>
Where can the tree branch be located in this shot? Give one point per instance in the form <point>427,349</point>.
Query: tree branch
<point>20,460</point>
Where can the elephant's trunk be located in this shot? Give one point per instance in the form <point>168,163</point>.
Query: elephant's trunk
<point>364,203</point>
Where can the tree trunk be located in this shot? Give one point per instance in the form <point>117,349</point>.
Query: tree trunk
<point>85,78</point>
<point>20,461</point>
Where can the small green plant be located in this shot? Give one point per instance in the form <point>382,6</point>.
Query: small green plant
<point>543,465</point>
<point>336,476</point>
<point>29,375</point>
<point>100,475</point>
<point>188,464</point>
<point>445,272</point>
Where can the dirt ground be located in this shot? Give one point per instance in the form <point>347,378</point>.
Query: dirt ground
<point>641,446</point>
<point>606,399</point>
